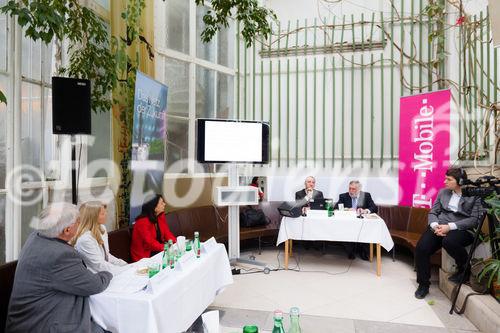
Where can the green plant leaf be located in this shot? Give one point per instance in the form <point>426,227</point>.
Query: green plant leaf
<point>3,99</point>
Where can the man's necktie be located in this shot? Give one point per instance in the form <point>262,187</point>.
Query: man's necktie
<point>354,203</point>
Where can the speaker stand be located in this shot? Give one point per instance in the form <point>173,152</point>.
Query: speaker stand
<point>74,195</point>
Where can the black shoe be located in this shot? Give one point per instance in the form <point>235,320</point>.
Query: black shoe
<point>421,291</point>
<point>457,277</point>
<point>351,256</point>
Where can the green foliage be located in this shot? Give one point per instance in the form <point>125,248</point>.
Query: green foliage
<point>3,99</point>
<point>89,52</point>
<point>156,147</point>
<point>126,67</point>
<point>494,202</point>
<point>491,271</point>
<point>254,18</point>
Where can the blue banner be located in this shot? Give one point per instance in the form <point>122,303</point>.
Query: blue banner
<point>148,141</point>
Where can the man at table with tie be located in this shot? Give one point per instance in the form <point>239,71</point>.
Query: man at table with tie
<point>362,203</point>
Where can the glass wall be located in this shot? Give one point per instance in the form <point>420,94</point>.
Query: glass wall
<point>205,73</point>
<point>40,151</point>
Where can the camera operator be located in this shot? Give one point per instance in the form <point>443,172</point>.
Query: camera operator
<point>451,221</point>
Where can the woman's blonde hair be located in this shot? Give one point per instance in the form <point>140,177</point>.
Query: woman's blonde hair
<point>89,221</point>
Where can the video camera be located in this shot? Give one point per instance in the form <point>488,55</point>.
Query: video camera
<point>482,187</point>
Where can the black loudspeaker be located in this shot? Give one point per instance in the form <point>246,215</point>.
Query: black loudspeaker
<point>70,106</point>
<point>290,209</point>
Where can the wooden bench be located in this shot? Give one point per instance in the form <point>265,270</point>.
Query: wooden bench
<point>209,221</point>
<point>406,225</point>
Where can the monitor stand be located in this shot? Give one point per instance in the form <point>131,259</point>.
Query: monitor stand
<point>234,226</point>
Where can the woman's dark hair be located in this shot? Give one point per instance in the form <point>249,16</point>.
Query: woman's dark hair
<point>255,180</point>
<point>148,208</point>
<point>457,173</point>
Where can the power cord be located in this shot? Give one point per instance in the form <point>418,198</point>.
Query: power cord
<point>297,258</point>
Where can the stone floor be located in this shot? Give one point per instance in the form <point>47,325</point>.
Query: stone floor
<point>335,294</point>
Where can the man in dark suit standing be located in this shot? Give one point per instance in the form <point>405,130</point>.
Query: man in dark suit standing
<point>362,203</point>
<point>451,221</point>
<point>309,193</point>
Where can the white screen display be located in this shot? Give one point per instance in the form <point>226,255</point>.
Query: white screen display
<point>233,141</point>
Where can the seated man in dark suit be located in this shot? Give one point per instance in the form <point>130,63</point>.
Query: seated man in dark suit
<point>362,203</point>
<point>309,193</point>
<point>52,285</point>
<point>451,221</point>
<point>304,197</point>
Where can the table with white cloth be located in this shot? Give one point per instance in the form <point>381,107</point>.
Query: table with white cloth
<point>179,297</point>
<point>318,226</point>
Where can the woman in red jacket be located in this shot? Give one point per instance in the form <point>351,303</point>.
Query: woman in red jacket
<point>151,230</point>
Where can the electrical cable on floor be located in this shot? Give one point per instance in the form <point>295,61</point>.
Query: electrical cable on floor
<point>297,260</point>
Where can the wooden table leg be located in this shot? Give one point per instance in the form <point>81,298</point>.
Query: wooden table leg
<point>286,254</point>
<point>379,260</point>
<point>371,252</point>
<point>291,247</point>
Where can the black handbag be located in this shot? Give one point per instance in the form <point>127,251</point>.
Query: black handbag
<point>252,217</point>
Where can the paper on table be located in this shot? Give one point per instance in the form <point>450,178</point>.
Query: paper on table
<point>128,282</point>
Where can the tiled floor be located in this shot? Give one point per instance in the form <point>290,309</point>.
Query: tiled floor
<point>336,295</point>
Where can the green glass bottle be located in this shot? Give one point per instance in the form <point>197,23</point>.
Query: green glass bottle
<point>329,207</point>
<point>278,322</point>
<point>197,245</point>
<point>294,321</point>
<point>250,329</point>
<point>165,258</point>
<point>171,255</point>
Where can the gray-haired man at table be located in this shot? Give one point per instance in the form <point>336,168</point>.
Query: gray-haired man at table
<point>52,285</point>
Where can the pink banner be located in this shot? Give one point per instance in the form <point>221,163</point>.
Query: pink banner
<point>424,147</point>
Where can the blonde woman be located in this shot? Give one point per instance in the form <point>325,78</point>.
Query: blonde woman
<point>91,240</point>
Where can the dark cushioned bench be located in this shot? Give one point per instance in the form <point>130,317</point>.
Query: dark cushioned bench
<point>209,221</point>
<point>406,225</point>
<point>7,272</point>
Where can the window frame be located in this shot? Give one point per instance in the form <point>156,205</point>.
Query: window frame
<point>193,61</point>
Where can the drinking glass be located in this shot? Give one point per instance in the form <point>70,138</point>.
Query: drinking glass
<point>153,269</point>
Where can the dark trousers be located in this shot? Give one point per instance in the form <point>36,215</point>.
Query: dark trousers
<point>454,243</point>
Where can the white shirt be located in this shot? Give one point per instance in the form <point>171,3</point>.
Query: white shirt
<point>453,206</point>
<point>94,256</point>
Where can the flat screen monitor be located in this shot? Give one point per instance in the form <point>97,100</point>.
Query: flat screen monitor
<point>232,141</point>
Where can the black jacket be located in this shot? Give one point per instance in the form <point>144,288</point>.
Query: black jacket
<point>365,201</point>
<point>300,196</point>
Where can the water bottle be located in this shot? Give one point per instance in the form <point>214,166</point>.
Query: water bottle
<point>330,210</point>
<point>278,322</point>
<point>171,254</point>
<point>294,321</point>
<point>165,258</point>
<point>197,245</point>
<point>250,329</point>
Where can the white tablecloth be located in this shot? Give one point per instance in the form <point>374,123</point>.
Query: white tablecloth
<point>181,297</point>
<point>345,229</point>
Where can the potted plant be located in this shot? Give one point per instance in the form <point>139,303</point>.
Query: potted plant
<point>491,270</point>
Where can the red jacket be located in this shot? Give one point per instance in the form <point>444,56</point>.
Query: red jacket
<point>144,237</point>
